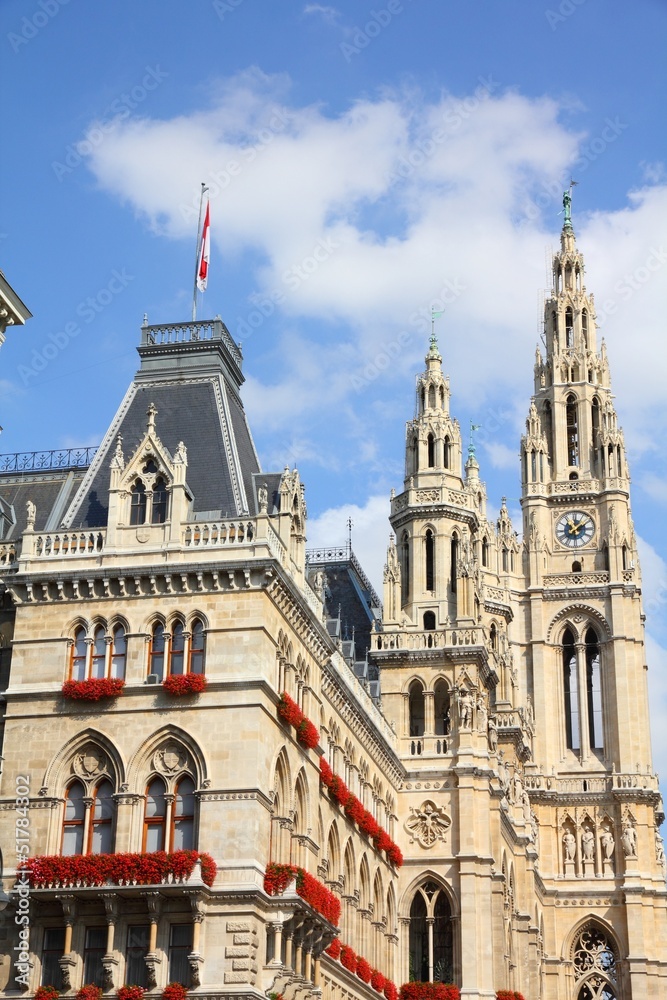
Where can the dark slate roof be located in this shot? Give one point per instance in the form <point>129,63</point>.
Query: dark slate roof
<point>348,600</point>
<point>272,482</point>
<point>50,491</point>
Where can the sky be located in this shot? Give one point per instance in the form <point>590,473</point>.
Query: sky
<point>366,164</point>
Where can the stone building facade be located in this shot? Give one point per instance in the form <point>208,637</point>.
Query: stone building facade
<point>479,795</point>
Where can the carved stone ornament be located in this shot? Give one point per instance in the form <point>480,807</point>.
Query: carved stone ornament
<point>90,762</point>
<point>427,824</point>
<point>169,759</point>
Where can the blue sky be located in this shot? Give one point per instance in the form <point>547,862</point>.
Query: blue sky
<point>418,148</point>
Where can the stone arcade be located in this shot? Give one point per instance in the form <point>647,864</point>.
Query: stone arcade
<point>489,721</point>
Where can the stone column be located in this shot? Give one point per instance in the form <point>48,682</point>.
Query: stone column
<point>154,904</point>
<point>67,962</point>
<point>109,961</point>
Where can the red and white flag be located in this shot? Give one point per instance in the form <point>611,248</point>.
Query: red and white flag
<point>204,253</point>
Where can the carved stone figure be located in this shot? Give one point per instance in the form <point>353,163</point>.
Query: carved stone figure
<point>465,708</point>
<point>181,454</point>
<point>492,735</point>
<point>607,844</point>
<point>427,824</point>
<point>629,839</point>
<point>659,850</point>
<point>30,515</point>
<point>482,714</point>
<point>588,844</point>
<point>263,498</point>
<point>569,846</point>
<point>525,802</point>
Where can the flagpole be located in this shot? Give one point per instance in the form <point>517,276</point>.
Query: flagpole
<point>204,189</point>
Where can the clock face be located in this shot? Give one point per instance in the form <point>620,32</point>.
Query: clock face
<point>575,529</point>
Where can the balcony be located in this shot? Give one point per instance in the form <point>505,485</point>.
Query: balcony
<point>125,871</point>
<point>449,638</point>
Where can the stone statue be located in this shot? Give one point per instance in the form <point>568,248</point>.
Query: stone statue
<point>482,714</point>
<point>588,844</point>
<point>263,498</point>
<point>530,712</point>
<point>659,850</point>
<point>492,735</point>
<point>525,802</point>
<point>465,708</point>
<point>569,846</point>
<point>318,582</point>
<point>30,515</point>
<point>567,207</point>
<point>181,454</point>
<point>607,844</point>
<point>534,829</point>
<point>629,840</point>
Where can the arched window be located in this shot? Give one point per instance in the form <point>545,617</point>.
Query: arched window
<point>429,547</point>
<point>155,817</point>
<point>584,327</point>
<point>159,505</point>
<point>572,431</point>
<point>177,649</point>
<point>118,652</point>
<point>196,654</point>
<point>549,427</point>
<point>454,559</point>
<point>431,397</point>
<point>594,690</point>
<point>569,331</point>
<point>505,560</point>
<point>98,663</point>
<point>493,636</point>
<point>431,939</point>
<point>594,964</point>
<point>183,837</point>
<point>441,708</point>
<point>156,655</point>
<point>405,566</point>
<point>571,691</point>
<point>595,427</point>
<point>138,503</point>
<point>485,552</point>
<point>416,700</point>
<point>429,621</point>
<point>430,444</point>
<point>576,566</point>
<point>77,671</point>
<point>73,822</point>
<point>448,453</point>
<point>100,838</point>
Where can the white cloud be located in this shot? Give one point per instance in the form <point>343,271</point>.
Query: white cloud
<point>330,15</point>
<point>370,533</point>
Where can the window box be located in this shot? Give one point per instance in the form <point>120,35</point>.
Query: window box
<point>56,871</point>
<point>278,877</point>
<point>89,992</point>
<point>131,993</point>
<point>174,991</point>
<point>178,685</point>
<point>429,991</point>
<point>93,689</point>
<point>306,731</point>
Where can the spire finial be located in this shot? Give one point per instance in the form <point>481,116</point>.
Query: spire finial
<point>567,205</point>
<point>151,412</point>
<point>433,348</point>
<point>471,446</point>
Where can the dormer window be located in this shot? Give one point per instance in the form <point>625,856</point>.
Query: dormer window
<point>138,503</point>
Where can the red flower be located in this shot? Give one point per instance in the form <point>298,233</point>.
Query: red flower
<point>131,993</point>
<point>378,981</point>
<point>278,877</point>
<point>89,992</point>
<point>333,951</point>
<point>46,993</point>
<point>348,958</point>
<point>395,856</point>
<point>326,774</point>
<point>390,991</point>
<point>383,841</point>
<point>355,810</point>
<point>339,790</point>
<point>306,731</point>
<point>429,991</point>
<point>174,991</point>
<point>364,970</point>
<point>128,869</point>
<point>180,684</point>
<point>94,689</point>
<point>369,825</point>
<point>500,995</point>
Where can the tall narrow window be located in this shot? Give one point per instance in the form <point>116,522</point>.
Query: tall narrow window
<point>441,709</point>
<point>485,552</point>
<point>155,818</point>
<point>78,657</point>
<point>53,949</point>
<point>183,838</point>
<point>430,444</point>
<point>506,562</point>
<point>572,431</point>
<point>429,546</point>
<point>549,428</point>
<point>75,814</point>
<point>138,939</point>
<point>159,507</point>
<point>177,649</point>
<point>431,397</point>
<point>196,654</point>
<point>416,702</point>
<point>430,938</point>
<point>595,427</point>
<point>101,832</point>
<point>571,692</point>
<point>138,503</point>
<point>156,657</point>
<point>429,621</point>
<point>98,663</point>
<point>94,950</point>
<point>569,330</point>
<point>180,946</point>
<point>448,453</point>
<point>405,566</point>
<point>584,327</point>
<point>118,652</point>
<point>594,691</point>
<point>454,559</point>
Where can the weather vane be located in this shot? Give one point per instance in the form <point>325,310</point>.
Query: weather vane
<point>435,315</point>
<point>471,446</point>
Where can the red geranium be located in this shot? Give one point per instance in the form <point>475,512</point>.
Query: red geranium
<point>333,951</point>
<point>131,993</point>
<point>355,810</point>
<point>348,958</point>
<point>395,856</point>
<point>364,970</point>
<point>46,993</point>
<point>278,877</point>
<point>326,774</point>
<point>306,731</point>
<point>93,689</point>
<point>127,869</point>
<point>383,841</point>
<point>378,981</point>
<point>339,790</point>
<point>429,991</point>
<point>89,992</point>
<point>174,991</point>
<point>390,991</point>
<point>368,824</point>
<point>508,995</point>
<point>180,684</point>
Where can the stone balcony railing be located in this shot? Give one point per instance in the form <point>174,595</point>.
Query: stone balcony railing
<point>402,639</point>
<point>593,784</point>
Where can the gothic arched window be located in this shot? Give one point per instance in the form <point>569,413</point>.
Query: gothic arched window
<point>155,817</point>
<point>74,819</point>
<point>429,621</point>
<point>441,707</point>
<point>594,964</point>
<point>584,327</point>
<point>118,652</point>
<point>138,503</point>
<point>159,506</point>
<point>429,552</point>
<point>430,444</point>
<point>405,566</point>
<point>571,691</point>
<point>100,838</point>
<point>99,653</point>
<point>156,655</point>
<point>196,653</point>
<point>572,431</point>
<point>569,332</point>
<point>448,453</point>
<point>485,552</point>
<point>454,558</point>
<point>416,703</point>
<point>78,656</point>
<point>431,938</point>
<point>594,690</point>
<point>183,833</point>
<point>177,649</point>
<point>431,397</point>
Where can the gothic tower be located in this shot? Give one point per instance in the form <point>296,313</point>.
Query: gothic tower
<point>590,781</point>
